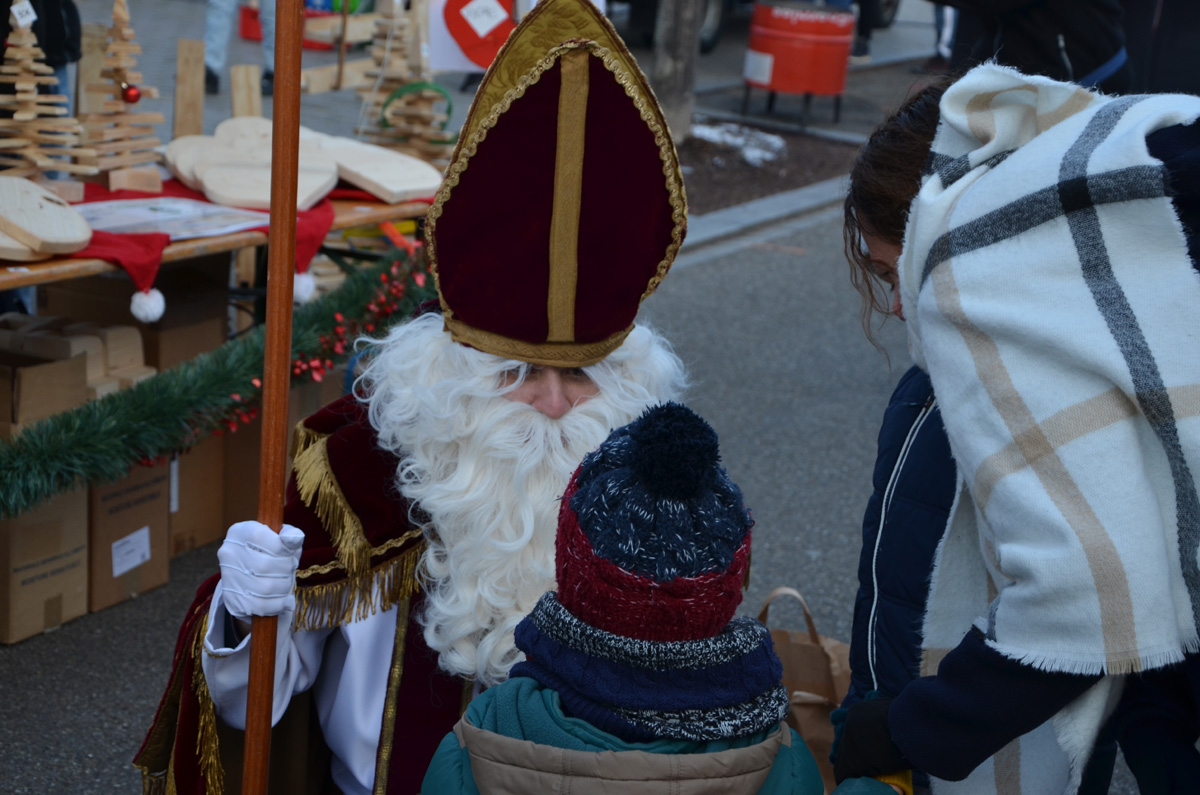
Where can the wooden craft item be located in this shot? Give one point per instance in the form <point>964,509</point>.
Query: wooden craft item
<point>246,90</point>
<point>247,183</point>
<point>182,154</point>
<point>91,64</point>
<point>68,190</point>
<point>119,131</point>
<point>37,130</point>
<point>11,249</point>
<point>39,219</point>
<point>147,179</point>
<point>189,88</point>
<point>254,132</point>
<point>391,176</point>
<point>243,132</point>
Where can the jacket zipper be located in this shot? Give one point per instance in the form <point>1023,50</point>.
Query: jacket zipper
<point>1062,52</point>
<point>888,492</point>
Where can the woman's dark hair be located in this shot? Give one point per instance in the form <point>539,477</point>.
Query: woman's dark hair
<point>884,180</point>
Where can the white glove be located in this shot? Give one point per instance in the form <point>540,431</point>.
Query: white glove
<point>258,569</point>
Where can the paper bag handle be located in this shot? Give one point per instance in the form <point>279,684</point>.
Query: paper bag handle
<point>784,590</point>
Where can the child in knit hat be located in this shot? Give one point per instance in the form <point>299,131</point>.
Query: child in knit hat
<point>637,676</point>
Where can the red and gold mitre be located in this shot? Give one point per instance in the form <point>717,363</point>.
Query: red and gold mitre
<point>563,206</point>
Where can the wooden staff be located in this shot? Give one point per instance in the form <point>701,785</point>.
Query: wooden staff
<point>277,356</point>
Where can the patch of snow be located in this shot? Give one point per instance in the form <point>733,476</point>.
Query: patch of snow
<point>757,147</point>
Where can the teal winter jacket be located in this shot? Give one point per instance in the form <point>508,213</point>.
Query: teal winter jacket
<point>515,738</point>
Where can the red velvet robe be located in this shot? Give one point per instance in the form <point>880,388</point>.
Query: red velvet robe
<point>342,494</point>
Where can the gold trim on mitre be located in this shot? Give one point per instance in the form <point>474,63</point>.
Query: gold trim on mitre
<point>554,30</point>
<point>546,354</point>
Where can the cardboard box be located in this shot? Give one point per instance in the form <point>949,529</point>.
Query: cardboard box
<point>132,375</point>
<point>195,320</point>
<point>243,449</point>
<point>197,496</point>
<point>43,567</point>
<point>32,387</point>
<point>122,345</point>
<point>50,345</point>
<point>128,536</point>
<point>19,321</point>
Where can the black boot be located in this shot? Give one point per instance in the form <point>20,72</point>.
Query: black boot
<point>212,83</point>
<point>268,83</point>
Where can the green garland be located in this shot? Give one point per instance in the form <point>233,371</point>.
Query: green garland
<point>99,441</point>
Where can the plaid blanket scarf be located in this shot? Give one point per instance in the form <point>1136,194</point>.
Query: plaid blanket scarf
<point>1050,297</point>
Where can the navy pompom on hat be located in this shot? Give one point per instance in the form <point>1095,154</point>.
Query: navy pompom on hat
<point>653,537</point>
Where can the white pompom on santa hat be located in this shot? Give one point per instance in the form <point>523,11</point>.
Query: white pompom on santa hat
<point>147,304</point>
<point>304,286</point>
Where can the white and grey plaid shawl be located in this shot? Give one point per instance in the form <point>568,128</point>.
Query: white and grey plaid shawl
<point>1050,296</point>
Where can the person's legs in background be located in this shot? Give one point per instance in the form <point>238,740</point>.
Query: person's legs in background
<point>266,11</point>
<point>218,24</point>
<point>945,19</point>
<point>868,20</point>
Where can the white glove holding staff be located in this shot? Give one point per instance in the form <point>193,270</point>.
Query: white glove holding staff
<point>258,569</point>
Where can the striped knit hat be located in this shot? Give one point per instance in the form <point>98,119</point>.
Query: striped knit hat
<point>653,537</point>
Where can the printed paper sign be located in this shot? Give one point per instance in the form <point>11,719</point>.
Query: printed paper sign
<point>758,67</point>
<point>484,16</point>
<point>23,14</point>
<point>445,50</point>
<point>131,551</point>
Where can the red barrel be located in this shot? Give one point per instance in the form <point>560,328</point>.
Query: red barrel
<point>798,48</point>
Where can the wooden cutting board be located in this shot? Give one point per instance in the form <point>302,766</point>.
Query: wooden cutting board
<point>243,132</point>
<point>246,181</point>
<point>391,176</point>
<point>253,132</point>
<point>181,156</point>
<point>37,218</point>
<point>10,249</point>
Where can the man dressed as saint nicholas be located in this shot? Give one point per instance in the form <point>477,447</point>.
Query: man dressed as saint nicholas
<point>421,512</point>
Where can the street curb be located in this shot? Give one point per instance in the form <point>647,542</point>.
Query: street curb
<point>773,125</point>
<point>733,221</point>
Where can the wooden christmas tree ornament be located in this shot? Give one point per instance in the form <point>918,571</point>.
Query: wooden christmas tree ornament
<point>403,109</point>
<point>39,135</point>
<point>123,139</point>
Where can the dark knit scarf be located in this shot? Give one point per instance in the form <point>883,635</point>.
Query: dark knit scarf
<point>716,688</point>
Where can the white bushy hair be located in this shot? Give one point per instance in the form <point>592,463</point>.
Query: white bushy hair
<point>485,474</point>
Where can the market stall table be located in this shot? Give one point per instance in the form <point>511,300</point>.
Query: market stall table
<point>348,213</point>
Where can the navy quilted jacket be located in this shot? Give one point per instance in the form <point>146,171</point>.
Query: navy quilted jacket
<point>904,522</point>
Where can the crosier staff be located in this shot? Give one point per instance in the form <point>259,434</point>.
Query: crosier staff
<point>281,264</point>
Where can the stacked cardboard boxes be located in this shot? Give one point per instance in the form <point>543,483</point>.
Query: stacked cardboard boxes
<point>195,321</point>
<point>95,547</point>
<point>43,553</point>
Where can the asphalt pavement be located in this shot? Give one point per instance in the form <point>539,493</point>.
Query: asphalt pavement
<point>759,306</point>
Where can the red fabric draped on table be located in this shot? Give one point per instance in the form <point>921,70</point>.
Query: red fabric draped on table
<point>143,252</point>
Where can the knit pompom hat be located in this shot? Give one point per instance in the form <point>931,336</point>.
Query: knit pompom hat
<point>653,537</point>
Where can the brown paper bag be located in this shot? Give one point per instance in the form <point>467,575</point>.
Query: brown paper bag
<point>816,673</point>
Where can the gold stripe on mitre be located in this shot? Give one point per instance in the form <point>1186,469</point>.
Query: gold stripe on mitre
<point>568,196</point>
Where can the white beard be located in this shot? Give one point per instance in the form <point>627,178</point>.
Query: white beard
<point>485,475</point>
